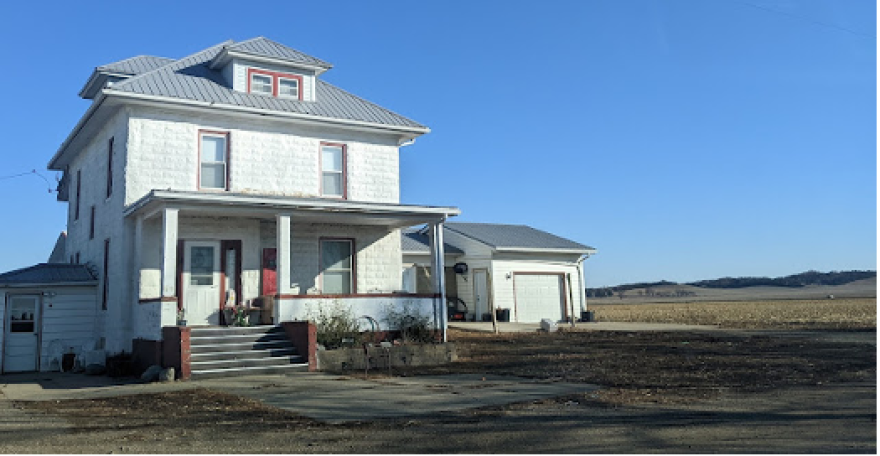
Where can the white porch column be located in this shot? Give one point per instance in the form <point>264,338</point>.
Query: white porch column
<point>169,253</point>
<point>136,257</point>
<point>438,274</point>
<point>282,260</point>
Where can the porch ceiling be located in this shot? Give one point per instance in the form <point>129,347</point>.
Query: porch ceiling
<point>303,210</point>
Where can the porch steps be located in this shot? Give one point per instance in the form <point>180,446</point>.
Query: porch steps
<point>227,352</point>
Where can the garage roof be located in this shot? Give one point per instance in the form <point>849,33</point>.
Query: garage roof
<point>414,241</point>
<point>49,274</point>
<point>516,237</point>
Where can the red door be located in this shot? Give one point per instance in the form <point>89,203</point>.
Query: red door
<point>270,284</point>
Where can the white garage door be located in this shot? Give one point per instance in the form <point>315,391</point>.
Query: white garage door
<point>538,296</point>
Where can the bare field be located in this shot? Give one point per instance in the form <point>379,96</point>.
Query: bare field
<point>825,314</point>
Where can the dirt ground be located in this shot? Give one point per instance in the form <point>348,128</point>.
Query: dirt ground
<point>665,392</point>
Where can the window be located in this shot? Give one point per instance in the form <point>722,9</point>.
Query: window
<point>110,168</point>
<point>261,83</point>
<point>333,170</point>
<point>105,285</point>
<point>213,169</point>
<point>78,186</point>
<point>337,266</point>
<point>77,257</point>
<point>201,270</point>
<point>92,224</point>
<point>275,84</point>
<point>288,88</point>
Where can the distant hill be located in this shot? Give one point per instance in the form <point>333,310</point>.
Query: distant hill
<point>666,288</point>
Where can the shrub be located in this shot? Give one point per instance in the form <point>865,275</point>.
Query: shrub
<point>335,325</point>
<point>414,326</point>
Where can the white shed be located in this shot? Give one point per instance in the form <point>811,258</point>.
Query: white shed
<point>48,310</point>
<point>526,273</point>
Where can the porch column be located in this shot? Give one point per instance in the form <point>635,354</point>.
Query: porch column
<point>438,274</point>
<point>169,253</point>
<point>136,257</point>
<point>282,259</point>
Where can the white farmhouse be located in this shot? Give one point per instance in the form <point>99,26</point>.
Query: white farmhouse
<point>232,176</point>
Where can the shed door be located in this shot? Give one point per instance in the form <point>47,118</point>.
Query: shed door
<point>20,352</point>
<point>538,296</point>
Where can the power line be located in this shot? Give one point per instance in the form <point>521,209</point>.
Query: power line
<point>807,19</point>
<point>35,173</point>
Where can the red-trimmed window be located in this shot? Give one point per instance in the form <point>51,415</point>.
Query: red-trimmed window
<point>333,175</point>
<point>110,168</point>
<point>337,266</point>
<point>213,160</point>
<point>106,282</point>
<point>284,85</point>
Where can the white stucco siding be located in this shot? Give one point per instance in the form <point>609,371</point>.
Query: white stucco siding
<point>238,70</point>
<point>266,157</point>
<point>377,255</point>
<point>91,162</point>
<point>377,308</point>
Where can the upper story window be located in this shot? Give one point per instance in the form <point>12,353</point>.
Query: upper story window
<point>213,160</point>
<point>110,168</point>
<point>78,188</point>
<point>276,84</point>
<point>333,170</point>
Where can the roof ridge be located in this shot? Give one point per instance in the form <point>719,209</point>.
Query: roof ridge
<point>153,71</point>
<point>276,43</point>
<point>363,100</point>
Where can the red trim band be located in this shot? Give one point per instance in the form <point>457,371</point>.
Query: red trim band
<point>359,295</point>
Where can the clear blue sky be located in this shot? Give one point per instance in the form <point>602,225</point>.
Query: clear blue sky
<point>685,139</point>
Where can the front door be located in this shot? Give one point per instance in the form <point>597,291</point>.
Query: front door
<point>21,324</point>
<point>481,294</point>
<point>201,283</point>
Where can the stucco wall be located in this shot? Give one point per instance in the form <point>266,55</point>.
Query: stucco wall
<point>266,157</point>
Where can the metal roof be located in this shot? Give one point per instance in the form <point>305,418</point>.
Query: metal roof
<point>416,242</point>
<point>48,274</point>
<point>514,237</point>
<point>136,65</point>
<point>265,47</point>
<point>191,78</point>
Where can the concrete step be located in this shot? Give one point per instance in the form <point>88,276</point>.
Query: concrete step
<point>198,340</point>
<point>218,331</point>
<point>230,363</point>
<point>248,353</point>
<point>232,372</point>
<point>240,346</point>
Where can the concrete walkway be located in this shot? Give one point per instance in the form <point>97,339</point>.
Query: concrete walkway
<point>325,397</point>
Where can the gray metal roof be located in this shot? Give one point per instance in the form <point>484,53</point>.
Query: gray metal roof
<point>514,236</point>
<point>190,78</point>
<point>136,65</point>
<point>265,47</point>
<point>416,242</point>
<point>48,274</point>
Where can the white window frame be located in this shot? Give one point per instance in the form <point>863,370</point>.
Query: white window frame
<point>342,171</point>
<point>271,83</point>
<point>225,162</point>
<point>296,96</point>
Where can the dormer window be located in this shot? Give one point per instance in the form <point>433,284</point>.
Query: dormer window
<point>275,84</point>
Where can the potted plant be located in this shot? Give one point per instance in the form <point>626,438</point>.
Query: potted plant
<point>181,318</point>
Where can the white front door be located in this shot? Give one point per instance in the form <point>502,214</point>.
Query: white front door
<point>481,294</point>
<point>201,283</point>
<point>20,352</point>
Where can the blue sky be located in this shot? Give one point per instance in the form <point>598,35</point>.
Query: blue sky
<point>685,139</point>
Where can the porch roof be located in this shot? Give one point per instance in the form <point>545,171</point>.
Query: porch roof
<point>311,210</point>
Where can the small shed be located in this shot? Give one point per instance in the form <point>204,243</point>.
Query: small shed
<point>47,310</point>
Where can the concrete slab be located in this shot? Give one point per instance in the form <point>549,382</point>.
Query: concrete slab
<point>331,398</point>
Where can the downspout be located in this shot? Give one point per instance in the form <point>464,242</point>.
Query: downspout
<point>583,287</point>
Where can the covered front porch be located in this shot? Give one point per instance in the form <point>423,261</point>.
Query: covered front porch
<point>196,255</point>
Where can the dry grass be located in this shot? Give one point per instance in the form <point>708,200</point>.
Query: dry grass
<point>839,314</point>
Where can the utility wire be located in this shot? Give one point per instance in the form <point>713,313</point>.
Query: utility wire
<point>807,19</point>
<point>35,173</point>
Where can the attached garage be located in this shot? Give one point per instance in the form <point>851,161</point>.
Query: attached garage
<point>47,310</point>
<point>538,296</point>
